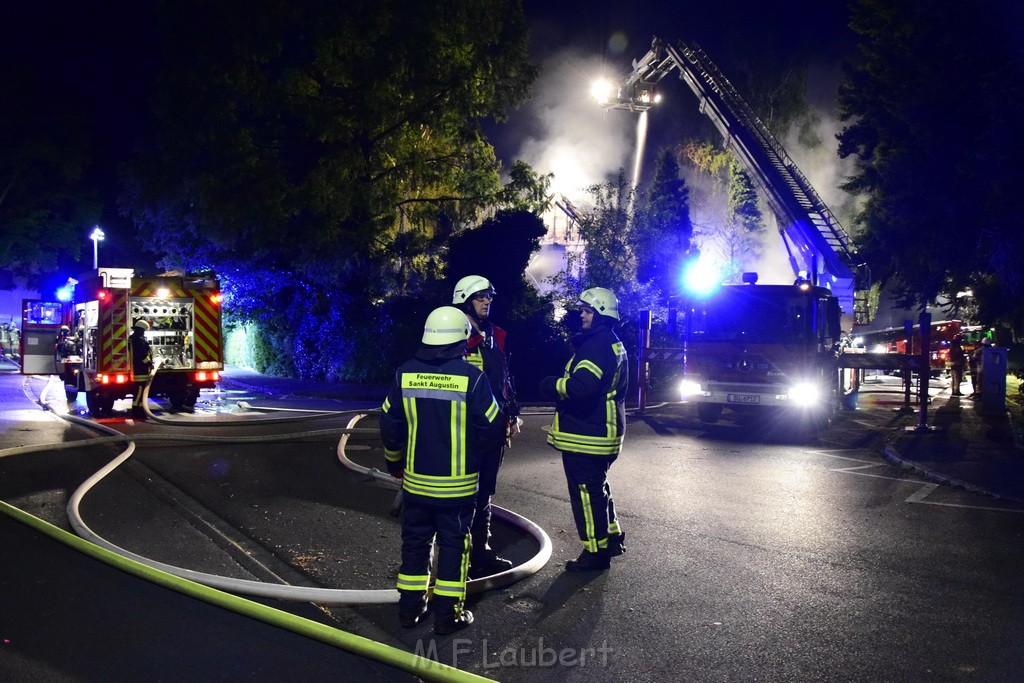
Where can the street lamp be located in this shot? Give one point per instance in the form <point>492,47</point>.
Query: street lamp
<point>96,236</point>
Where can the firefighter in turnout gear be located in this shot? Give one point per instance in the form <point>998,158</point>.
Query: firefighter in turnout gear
<point>438,417</point>
<point>589,426</point>
<point>487,350</point>
<point>142,364</point>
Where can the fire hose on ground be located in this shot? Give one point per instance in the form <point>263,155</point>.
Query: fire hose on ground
<point>210,587</point>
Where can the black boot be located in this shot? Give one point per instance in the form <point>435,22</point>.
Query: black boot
<point>411,610</point>
<point>487,563</point>
<point>617,544</point>
<point>410,619</point>
<point>590,562</point>
<point>451,623</point>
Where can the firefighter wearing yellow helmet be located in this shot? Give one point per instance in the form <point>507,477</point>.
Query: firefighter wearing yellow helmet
<point>487,349</point>
<point>439,415</point>
<point>589,426</point>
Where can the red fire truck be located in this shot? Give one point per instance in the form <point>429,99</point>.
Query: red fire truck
<point>85,340</point>
<point>751,347</point>
<point>941,333</point>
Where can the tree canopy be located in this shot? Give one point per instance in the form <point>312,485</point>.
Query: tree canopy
<point>325,138</point>
<point>664,234</point>
<point>931,116</point>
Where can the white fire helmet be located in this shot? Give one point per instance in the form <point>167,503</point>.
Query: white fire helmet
<point>601,300</point>
<point>141,324</point>
<point>468,286</point>
<point>445,325</point>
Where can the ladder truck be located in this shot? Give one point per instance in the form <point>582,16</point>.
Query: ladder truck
<point>754,347</point>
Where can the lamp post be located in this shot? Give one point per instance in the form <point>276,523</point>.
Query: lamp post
<point>96,236</point>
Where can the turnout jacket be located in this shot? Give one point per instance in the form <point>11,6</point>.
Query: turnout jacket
<point>439,415</point>
<point>487,352</point>
<point>590,411</point>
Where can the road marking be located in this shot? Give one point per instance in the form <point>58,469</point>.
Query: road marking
<point>921,494</point>
<point>918,497</point>
<point>864,464</point>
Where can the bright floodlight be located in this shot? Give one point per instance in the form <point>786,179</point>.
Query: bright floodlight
<point>96,236</point>
<point>603,90</point>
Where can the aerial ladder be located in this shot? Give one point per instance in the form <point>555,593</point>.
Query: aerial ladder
<point>815,241</point>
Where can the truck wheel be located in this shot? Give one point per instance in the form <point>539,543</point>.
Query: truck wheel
<point>709,412</point>
<point>184,399</point>
<point>95,402</point>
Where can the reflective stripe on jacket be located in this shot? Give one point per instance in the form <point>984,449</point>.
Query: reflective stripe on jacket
<point>590,410</point>
<point>436,418</point>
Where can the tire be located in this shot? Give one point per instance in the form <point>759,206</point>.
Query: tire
<point>709,412</point>
<point>94,401</point>
<point>183,397</point>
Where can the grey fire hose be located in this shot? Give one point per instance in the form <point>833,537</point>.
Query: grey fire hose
<point>324,596</point>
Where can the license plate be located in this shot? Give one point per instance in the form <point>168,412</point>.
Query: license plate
<point>743,398</point>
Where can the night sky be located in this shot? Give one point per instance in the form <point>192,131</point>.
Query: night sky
<point>96,61</point>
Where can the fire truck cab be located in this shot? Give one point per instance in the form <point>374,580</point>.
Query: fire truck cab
<point>749,347</point>
<point>91,353</point>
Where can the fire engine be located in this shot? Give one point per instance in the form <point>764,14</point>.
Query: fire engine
<point>85,340</point>
<point>941,333</point>
<point>750,347</point>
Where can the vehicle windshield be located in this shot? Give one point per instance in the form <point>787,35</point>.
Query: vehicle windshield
<point>752,314</point>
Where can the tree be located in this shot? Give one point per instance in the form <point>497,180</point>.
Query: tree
<point>337,146</point>
<point>526,189</point>
<point>663,233</point>
<point>324,138</point>
<point>932,118</point>
<point>740,240</point>
<point>734,238</point>
<point>606,229</point>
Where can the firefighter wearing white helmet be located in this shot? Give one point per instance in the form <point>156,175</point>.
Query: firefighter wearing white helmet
<point>589,427</point>
<point>437,419</point>
<point>445,325</point>
<point>487,349</point>
<point>470,286</point>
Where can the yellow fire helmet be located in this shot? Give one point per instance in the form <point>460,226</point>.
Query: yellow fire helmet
<point>601,300</point>
<point>445,325</point>
<point>468,286</point>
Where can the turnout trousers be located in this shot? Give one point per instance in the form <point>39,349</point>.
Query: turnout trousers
<point>421,523</point>
<point>593,509</point>
<point>490,463</point>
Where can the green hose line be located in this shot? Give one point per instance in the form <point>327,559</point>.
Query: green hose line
<point>359,645</point>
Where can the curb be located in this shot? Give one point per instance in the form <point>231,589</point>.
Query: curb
<point>892,455</point>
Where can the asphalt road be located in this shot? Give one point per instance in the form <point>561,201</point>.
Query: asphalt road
<point>751,555</point>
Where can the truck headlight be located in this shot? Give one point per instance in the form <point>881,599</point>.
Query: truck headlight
<point>805,394</point>
<point>688,388</point>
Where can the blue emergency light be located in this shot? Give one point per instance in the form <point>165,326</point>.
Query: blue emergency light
<point>701,277</point>
<point>67,292</point>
